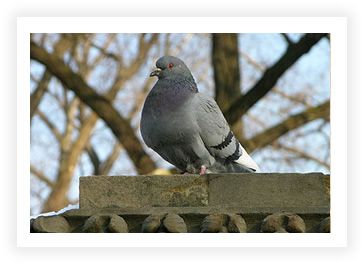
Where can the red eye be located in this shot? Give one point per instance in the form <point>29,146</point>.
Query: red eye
<point>170,65</point>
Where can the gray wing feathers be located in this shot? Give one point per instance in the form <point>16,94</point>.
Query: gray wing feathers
<point>214,130</point>
<point>217,136</point>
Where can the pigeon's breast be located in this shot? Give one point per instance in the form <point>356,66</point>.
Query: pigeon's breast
<point>172,124</point>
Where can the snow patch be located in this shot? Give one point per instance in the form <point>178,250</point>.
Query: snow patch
<point>67,208</point>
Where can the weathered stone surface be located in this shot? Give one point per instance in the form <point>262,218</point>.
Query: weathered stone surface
<point>117,225</point>
<point>105,224</point>
<point>283,223</point>
<point>173,223</point>
<point>95,224</point>
<point>295,224</point>
<point>232,190</point>
<point>223,223</point>
<point>152,223</point>
<point>193,203</point>
<point>324,226</point>
<point>194,216</point>
<point>50,224</point>
<point>164,223</point>
<point>140,191</point>
<point>236,224</point>
<point>214,223</point>
<point>278,190</point>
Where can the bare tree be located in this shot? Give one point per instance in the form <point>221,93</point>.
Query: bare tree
<point>72,149</point>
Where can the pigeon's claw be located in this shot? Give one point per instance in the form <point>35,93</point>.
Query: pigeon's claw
<point>203,170</point>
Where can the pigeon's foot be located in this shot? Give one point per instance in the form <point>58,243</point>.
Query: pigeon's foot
<point>203,170</point>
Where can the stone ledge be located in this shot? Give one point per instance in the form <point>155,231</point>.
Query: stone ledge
<point>237,203</point>
<point>240,190</point>
<point>140,191</point>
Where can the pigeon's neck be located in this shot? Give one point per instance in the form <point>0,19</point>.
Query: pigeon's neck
<point>170,94</point>
<point>183,82</point>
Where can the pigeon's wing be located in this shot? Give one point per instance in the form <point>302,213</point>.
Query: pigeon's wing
<point>216,134</point>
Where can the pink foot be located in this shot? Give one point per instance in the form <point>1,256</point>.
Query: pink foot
<point>203,170</point>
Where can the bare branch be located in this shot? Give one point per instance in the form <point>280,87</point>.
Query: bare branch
<point>120,127</point>
<point>144,48</point>
<point>287,38</point>
<point>69,158</point>
<point>182,43</point>
<point>302,154</point>
<point>95,160</point>
<point>70,111</point>
<point>292,122</point>
<point>271,76</point>
<point>37,95</point>
<point>103,50</point>
<point>275,89</point>
<point>41,176</point>
<point>140,98</point>
<point>294,98</point>
<point>252,62</point>
<point>106,166</point>
<point>50,125</point>
<point>60,48</point>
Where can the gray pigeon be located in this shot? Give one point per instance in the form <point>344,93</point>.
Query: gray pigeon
<point>187,128</point>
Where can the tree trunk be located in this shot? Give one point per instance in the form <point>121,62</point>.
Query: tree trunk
<point>225,61</point>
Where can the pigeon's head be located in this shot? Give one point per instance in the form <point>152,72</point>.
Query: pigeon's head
<point>169,67</point>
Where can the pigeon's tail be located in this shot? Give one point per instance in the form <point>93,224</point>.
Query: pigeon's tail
<point>238,168</point>
<point>230,167</point>
<point>246,161</point>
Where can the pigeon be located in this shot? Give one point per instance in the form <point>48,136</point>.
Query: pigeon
<point>186,127</point>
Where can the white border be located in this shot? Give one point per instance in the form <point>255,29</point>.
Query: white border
<point>334,25</point>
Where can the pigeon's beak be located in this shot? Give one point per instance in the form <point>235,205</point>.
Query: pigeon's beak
<point>155,72</point>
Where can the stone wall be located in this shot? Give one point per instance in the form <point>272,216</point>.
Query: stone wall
<point>240,203</point>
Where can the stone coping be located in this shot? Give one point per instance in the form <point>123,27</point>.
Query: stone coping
<point>253,190</point>
<point>234,203</point>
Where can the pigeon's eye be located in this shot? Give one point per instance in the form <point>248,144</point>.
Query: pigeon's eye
<point>170,65</point>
